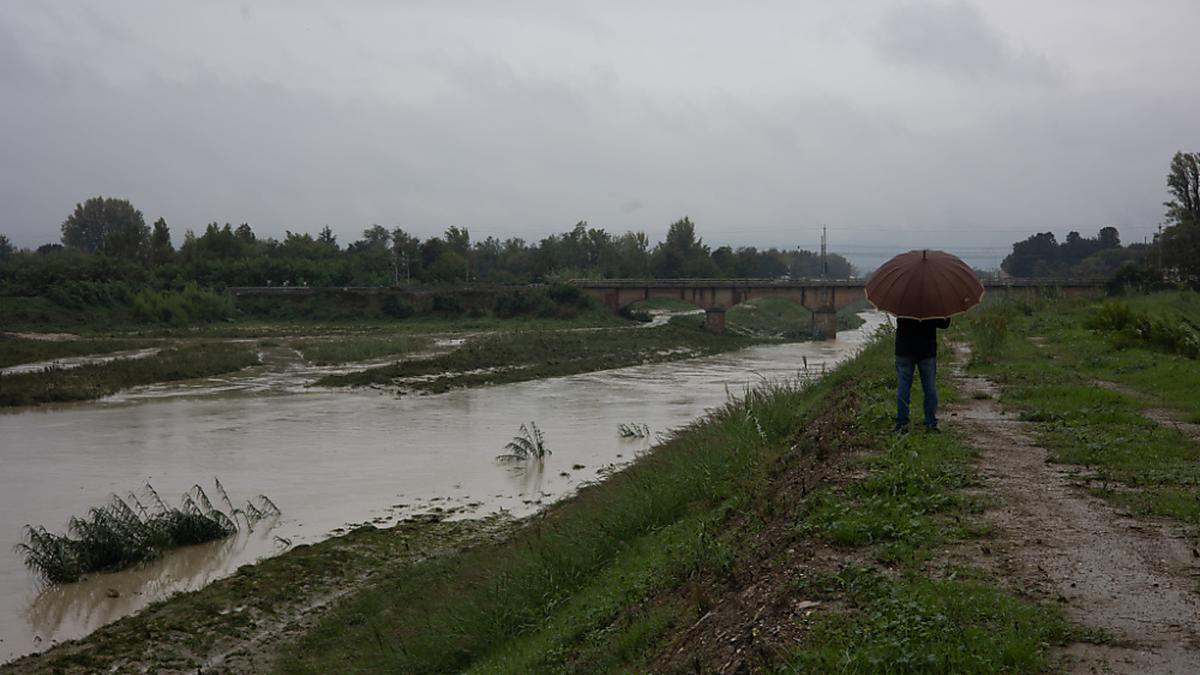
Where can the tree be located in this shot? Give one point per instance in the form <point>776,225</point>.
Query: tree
<point>109,226</point>
<point>1027,254</point>
<point>328,238</point>
<point>406,250</point>
<point>459,241</point>
<point>6,248</point>
<point>245,235</point>
<point>679,255</point>
<point>161,251</point>
<point>1180,241</point>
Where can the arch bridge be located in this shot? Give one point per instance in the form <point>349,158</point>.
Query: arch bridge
<point>823,297</point>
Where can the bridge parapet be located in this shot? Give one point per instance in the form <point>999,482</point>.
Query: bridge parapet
<point>823,297</point>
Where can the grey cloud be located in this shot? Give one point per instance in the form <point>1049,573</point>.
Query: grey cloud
<point>507,150</point>
<point>956,39</point>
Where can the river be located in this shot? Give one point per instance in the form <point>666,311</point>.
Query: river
<point>330,459</point>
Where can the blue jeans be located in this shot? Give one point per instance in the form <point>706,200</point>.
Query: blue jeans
<point>904,376</point>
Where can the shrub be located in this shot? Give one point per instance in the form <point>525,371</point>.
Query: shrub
<point>397,307</point>
<point>191,304</point>
<point>1134,278</point>
<point>446,304</point>
<point>124,533</point>
<point>989,332</point>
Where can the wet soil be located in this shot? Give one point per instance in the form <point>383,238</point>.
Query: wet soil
<point>1131,583</point>
<point>751,621</point>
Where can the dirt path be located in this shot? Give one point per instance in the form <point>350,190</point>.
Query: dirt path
<point>1132,580</point>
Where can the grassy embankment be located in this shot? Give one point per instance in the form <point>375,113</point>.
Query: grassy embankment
<point>798,493</point>
<point>613,579</point>
<point>102,379</point>
<point>1086,379</point>
<point>185,631</point>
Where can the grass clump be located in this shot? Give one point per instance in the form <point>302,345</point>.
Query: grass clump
<point>913,624</point>
<point>124,533</point>
<point>1172,332</point>
<point>989,332</point>
<point>529,445</point>
<point>633,430</point>
<point>102,379</point>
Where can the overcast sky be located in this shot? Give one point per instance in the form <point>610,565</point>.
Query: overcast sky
<point>957,125</point>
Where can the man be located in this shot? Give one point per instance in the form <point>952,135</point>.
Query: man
<point>916,347</point>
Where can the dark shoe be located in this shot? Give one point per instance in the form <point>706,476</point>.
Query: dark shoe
<point>900,429</point>
<point>932,429</point>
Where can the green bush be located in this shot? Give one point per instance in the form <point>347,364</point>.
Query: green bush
<point>989,332</point>
<point>1173,334</point>
<point>397,307</point>
<point>192,304</point>
<point>446,304</point>
<point>1134,278</point>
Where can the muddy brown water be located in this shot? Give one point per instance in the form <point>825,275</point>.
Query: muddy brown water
<point>329,458</point>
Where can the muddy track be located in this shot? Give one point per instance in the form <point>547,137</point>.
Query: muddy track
<point>1132,580</point>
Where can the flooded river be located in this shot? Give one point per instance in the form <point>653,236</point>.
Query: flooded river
<point>328,458</point>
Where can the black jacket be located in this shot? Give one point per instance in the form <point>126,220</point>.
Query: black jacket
<point>918,339</point>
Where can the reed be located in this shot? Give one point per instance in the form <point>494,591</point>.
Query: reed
<point>633,430</point>
<point>530,444</point>
<point>124,532</point>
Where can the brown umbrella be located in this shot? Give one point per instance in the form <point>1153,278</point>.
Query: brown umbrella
<point>924,284</point>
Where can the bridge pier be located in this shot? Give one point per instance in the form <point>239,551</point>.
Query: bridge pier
<point>825,323</point>
<point>714,320</point>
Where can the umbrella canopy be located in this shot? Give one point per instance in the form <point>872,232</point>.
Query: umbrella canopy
<point>924,284</point>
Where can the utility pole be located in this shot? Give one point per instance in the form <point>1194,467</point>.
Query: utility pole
<point>824,260</point>
<point>1158,240</point>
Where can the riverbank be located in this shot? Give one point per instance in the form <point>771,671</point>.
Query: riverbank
<point>424,355</point>
<point>788,528</point>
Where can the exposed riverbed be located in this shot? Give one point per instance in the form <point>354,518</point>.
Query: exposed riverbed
<point>328,458</point>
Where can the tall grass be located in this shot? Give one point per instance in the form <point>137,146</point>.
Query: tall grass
<point>1172,333</point>
<point>989,332</point>
<point>102,379</point>
<point>124,532</point>
<point>529,445</point>
<point>447,615</point>
<point>633,430</point>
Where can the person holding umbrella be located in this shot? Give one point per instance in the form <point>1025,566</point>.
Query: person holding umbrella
<point>923,289</point>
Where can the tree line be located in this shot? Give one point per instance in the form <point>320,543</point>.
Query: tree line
<point>108,239</point>
<point>1173,256</point>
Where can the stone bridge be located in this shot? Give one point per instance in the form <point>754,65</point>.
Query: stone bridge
<point>823,297</point>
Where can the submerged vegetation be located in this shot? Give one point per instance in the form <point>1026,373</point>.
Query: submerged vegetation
<point>529,445</point>
<point>125,532</point>
<point>102,379</point>
<point>16,350</point>
<point>633,430</point>
<point>528,355</point>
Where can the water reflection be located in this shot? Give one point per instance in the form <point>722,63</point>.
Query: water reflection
<point>102,598</point>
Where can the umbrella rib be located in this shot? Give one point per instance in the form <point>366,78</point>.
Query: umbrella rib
<point>947,287</point>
